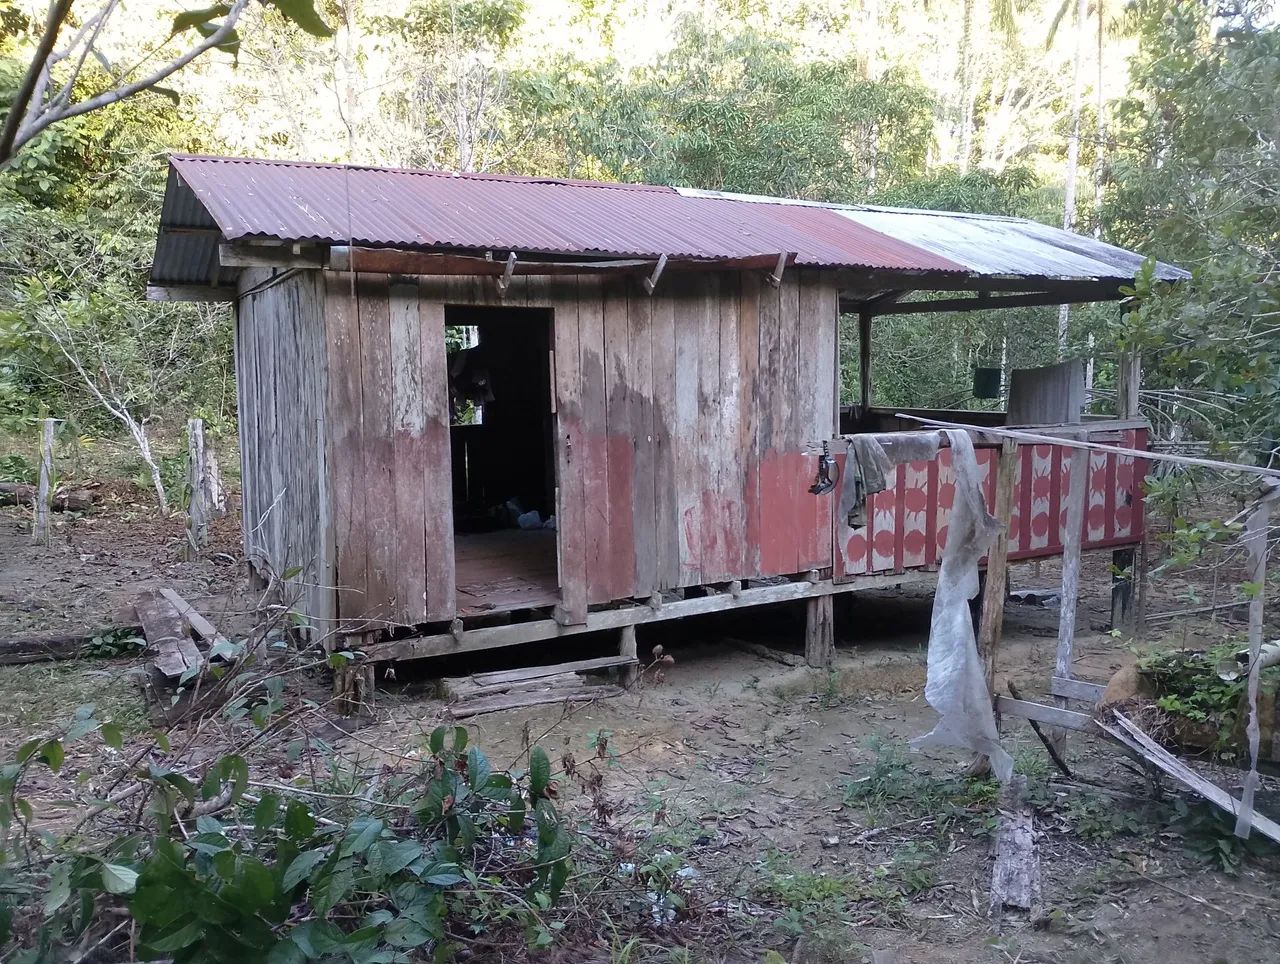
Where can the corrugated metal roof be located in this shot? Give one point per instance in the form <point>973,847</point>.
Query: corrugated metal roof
<point>997,246</point>
<point>420,209</point>
<point>209,199</point>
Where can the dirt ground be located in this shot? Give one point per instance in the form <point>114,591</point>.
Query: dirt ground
<point>789,804</point>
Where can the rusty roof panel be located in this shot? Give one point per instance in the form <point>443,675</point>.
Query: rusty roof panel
<point>339,204</point>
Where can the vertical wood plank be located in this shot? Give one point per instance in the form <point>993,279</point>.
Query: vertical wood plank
<point>747,430</point>
<point>643,495</point>
<point>380,454</point>
<point>408,425</point>
<point>687,443</point>
<point>791,486</point>
<point>1077,494</point>
<point>620,441</point>
<point>991,621</point>
<point>775,539</point>
<point>731,465</point>
<point>570,448</point>
<point>711,442</point>
<point>595,434</point>
<point>666,505</point>
<point>346,452</point>
<point>437,477</point>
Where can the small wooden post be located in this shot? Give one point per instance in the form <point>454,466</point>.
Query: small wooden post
<point>44,486</point>
<point>197,506</point>
<point>864,361</point>
<point>1128,384</point>
<point>627,648</point>
<point>991,621</point>
<point>819,633</point>
<point>1122,561</point>
<point>1077,493</point>
<point>353,678</point>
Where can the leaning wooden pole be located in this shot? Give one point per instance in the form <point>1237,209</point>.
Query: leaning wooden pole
<point>1077,495</point>
<point>44,485</point>
<point>197,488</point>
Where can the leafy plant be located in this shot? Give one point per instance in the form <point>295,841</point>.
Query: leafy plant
<point>113,644</point>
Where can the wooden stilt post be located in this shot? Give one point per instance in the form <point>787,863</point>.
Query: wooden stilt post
<point>627,648</point>
<point>1077,493</point>
<point>197,489</point>
<point>864,361</point>
<point>1122,561</point>
<point>44,485</point>
<point>819,633</point>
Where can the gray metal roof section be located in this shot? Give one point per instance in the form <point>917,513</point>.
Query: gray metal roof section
<point>999,246</point>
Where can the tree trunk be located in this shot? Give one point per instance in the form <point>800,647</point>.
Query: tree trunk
<point>1073,154</point>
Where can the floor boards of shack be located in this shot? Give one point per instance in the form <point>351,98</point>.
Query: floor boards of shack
<point>504,570</point>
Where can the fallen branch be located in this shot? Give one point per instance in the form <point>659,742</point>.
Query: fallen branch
<point>69,500</point>
<point>1060,763</point>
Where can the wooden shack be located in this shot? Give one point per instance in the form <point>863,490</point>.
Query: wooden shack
<point>653,371</point>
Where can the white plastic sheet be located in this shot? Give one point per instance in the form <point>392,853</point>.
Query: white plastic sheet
<point>956,684</point>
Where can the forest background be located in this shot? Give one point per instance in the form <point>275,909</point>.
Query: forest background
<point>1153,124</point>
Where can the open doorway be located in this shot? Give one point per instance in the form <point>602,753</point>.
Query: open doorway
<point>502,434</point>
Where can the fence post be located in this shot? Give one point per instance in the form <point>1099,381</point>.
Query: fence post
<point>197,507</point>
<point>44,486</point>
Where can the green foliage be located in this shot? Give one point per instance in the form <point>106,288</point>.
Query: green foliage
<point>1189,685</point>
<point>284,877</point>
<point>898,788</point>
<point>117,643</point>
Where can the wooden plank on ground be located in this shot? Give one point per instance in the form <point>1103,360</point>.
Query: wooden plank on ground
<point>174,653</point>
<point>437,480</point>
<point>569,694</point>
<point>539,672</point>
<point>409,436</point>
<point>1015,875</point>
<point>1131,735</point>
<point>198,623</point>
<point>346,450</point>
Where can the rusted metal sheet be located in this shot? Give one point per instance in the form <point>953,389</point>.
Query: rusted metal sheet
<point>907,522</point>
<point>427,210</point>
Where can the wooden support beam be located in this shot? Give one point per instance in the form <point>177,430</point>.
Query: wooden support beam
<point>1075,689</point>
<point>984,301</point>
<point>200,293</point>
<point>784,258</point>
<point>627,651</point>
<point>651,282</point>
<point>232,255</point>
<point>1122,561</point>
<point>1053,715</point>
<point>819,633</point>
<point>514,634</point>
<point>508,270</point>
<point>864,360</point>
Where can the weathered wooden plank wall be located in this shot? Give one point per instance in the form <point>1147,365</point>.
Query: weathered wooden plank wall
<point>282,383</point>
<point>388,454</point>
<point>681,418</point>
<point>687,413</point>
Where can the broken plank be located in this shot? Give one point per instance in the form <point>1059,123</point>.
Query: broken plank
<point>537,672</point>
<point>464,688</point>
<point>1075,689</point>
<point>175,654</point>
<point>1015,876</point>
<point>199,625</point>
<point>1133,736</point>
<point>511,701</point>
<point>1053,715</point>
